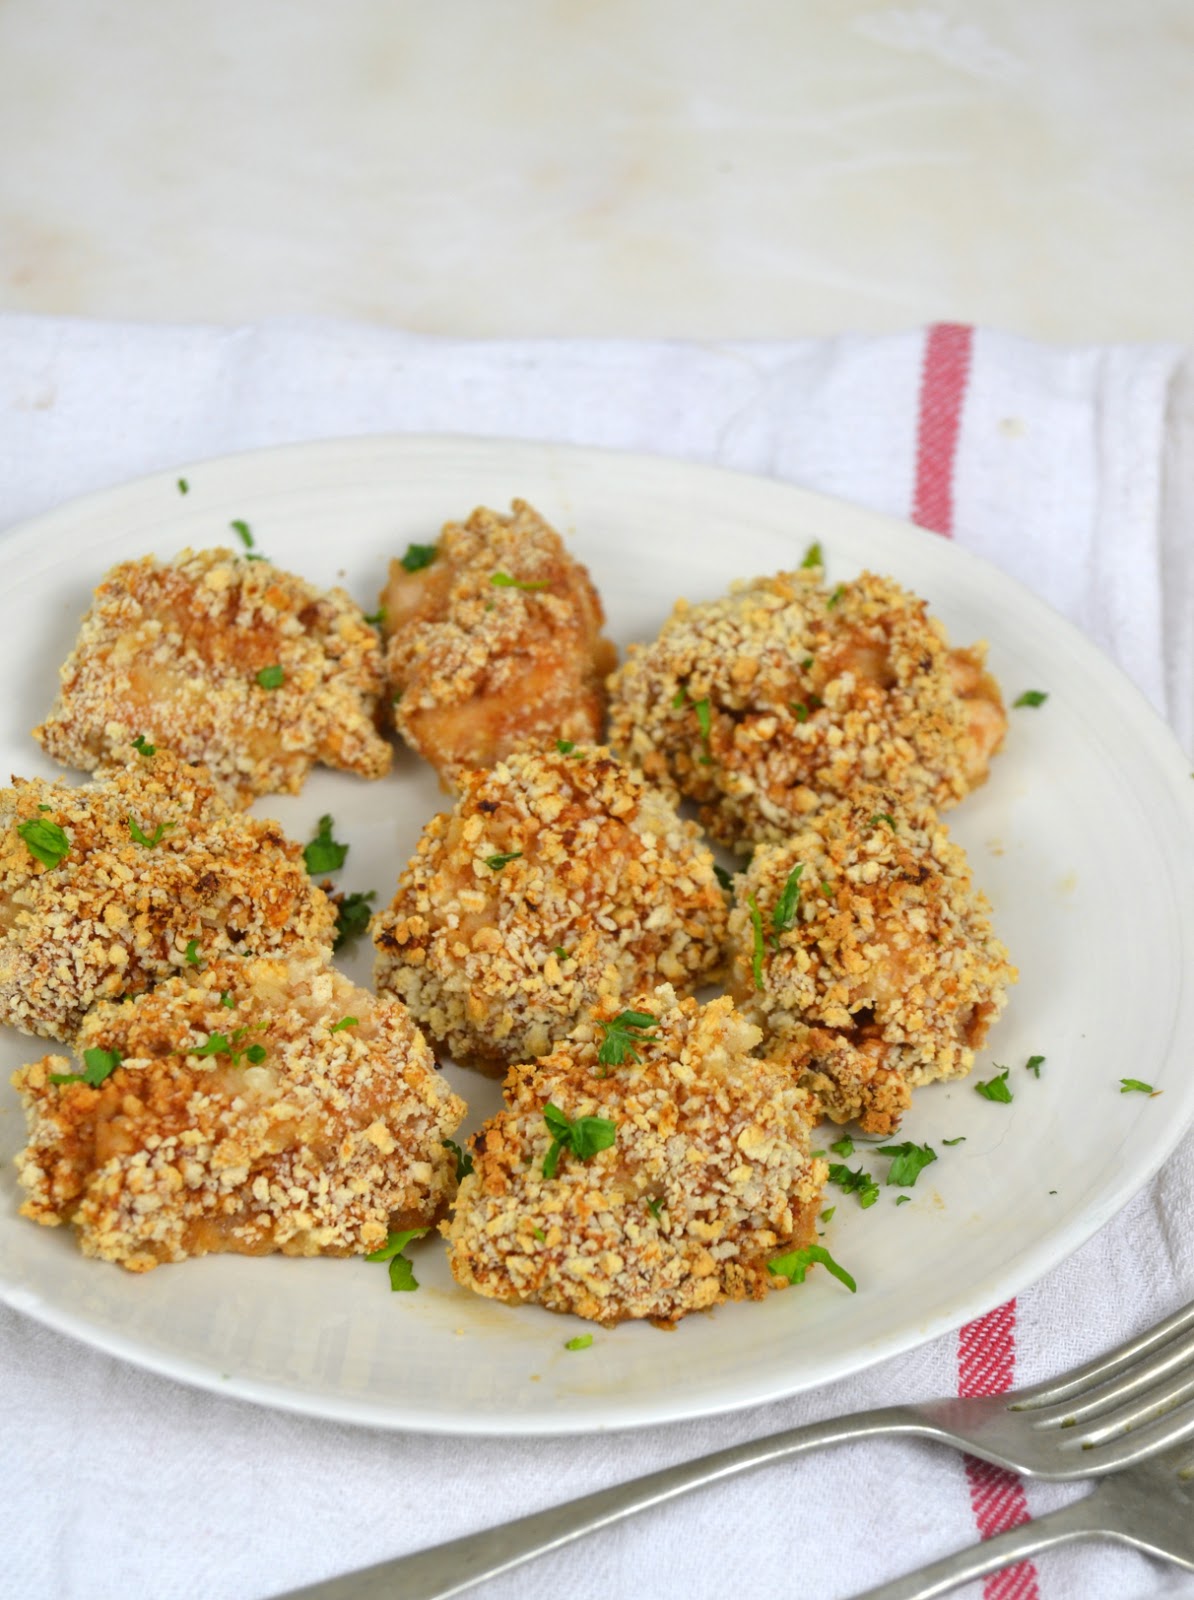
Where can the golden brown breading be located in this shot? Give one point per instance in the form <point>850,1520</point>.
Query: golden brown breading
<point>172,651</point>
<point>767,703</point>
<point>115,916</point>
<point>887,974</point>
<point>241,1119</point>
<point>559,881</point>
<point>708,1178</point>
<point>477,663</point>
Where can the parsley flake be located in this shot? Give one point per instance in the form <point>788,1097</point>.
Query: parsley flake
<point>704,717</point>
<point>376,619</point>
<point>1136,1086</point>
<point>581,1342</point>
<point>402,1274</point>
<point>622,1033</point>
<point>241,529</point>
<point>827,1214</point>
<point>352,917</point>
<point>503,580</point>
<point>539,1234</point>
<point>902,1199</point>
<point>192,953</point>
<point>565,746</point>
<point>995,1089</point>
<point>961,1139</point>
<point>496,863</point>
<point>219,1044</point>
<point>799,709</point>
<point>655,1207</point>
<point>1034,1065</point>
<point>143,749</point>
<point>560,953</point>
<point>98,1066</point>
<point>681,695</point>
<point>813,556</point>
<point>584,1137</point>
<point>324,854</point>
<point>883,816</point>
<point>227,1000</point>
<point>419,556</point>
<point>159,833</point>
<point>45,840</point>
<point>344,1022</point>
<point>726,879</point>
<point>756,922</point>
<point>806,663</point>
<point>183,486</point>
<point>835,597</point>
<point>789,900</point>
<point>860,1183</point>
<point>796,1263</point>
<point>908,1161</point>
<point>1031,697</point>
<point>843,1147</point>
<point>271,677</point>
<point>464,1160</point>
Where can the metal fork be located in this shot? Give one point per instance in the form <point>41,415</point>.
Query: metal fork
<point>1116,1410</point>
<point>1149,1506</point>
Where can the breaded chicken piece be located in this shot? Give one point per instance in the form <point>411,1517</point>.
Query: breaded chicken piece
<point>783,695</point>
<point>258,1106</point>
<point>558,882</point>
<point>707,1178</point>
<point>493,637</point>
<point>866,955</point>
<point>228,661</point>
<point>153,872</point>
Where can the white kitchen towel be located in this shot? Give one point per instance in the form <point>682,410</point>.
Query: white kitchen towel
<point>1050,462</point>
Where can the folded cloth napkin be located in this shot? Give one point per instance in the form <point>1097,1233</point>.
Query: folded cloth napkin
<point>1066,467</point>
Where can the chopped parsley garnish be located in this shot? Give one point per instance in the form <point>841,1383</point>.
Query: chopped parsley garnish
<point>496,863</point>
<point>883,816</point>
<point>98,1065</point>
<point>843,1147</point>
<point>560,953</point>
<point>539,1234</point>
<point>143,749</point>
<point>581,1342</point>
<point>860,1183</point>
<point>704,718</point>
<point>1136,1086</point>
<point>192,953</point>
<point>756,922</point>
<point>503,580</point>
<point>1034,1065</point>
<point>726,879</point>
<point>402,1274</point>
<point>227,1000</point>
<point>827,1214</point>
<point>219,1044</point>
<point>796,1263</point>
<point>622,1034</point>
<point>324,854</point>
<point>183,486</point>
<point>464,1160</point>
<point>681,695</point>
<point>789,900</point>
<point>813,556</point>
<point>1031,697</point>
<point>419,556</point>
<point>902,1199</point>
<point>800,710</point>
<point>806,663</point>
<point>836,596</point>
<point>241,529</point>
<point>377,618</point>
<point>271,677</point>
<point>826,888</point>
<point>908,1161</point>
<point>584,1137</point>
<point>961,1139</point>
<point>344,1022</point>
<point>138,836</point>
<point>352,917</point>
<point>45,840</point>
<point>655,1207</point>
<point>995,1089</point>
<point>565,746</point>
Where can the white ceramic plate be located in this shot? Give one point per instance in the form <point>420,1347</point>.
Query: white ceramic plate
<point>1081,839</point>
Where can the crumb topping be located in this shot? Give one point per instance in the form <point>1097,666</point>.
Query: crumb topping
<point>784,696</point>
<point>116,915</point>
<point>709,1175</point>
<point>601,891</point>
<point>495,641</point>
<point>888,974</point>
<point>227,661</point>
<point>241,1119</point>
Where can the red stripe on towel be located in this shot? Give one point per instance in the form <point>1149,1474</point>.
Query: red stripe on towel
<point>987,1346</point>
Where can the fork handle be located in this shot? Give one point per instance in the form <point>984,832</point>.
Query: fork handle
<point>1080,1520</point>
<point>449,1569</point>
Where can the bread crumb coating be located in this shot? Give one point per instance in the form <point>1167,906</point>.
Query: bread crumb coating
<point>879,970</point>
<point>559,881</point>
<point>495,641</point>
<point>708,1178</point>
<point>784,695</point>
<point>241,1118</point>
<point>116,915</point>
<point>172,651</point>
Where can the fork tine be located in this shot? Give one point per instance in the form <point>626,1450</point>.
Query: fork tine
<point>1174,1358</point>
<point>1168,1432</point>
<point>1105,1367</point>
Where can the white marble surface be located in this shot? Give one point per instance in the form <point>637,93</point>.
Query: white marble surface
<point>760,168</point>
